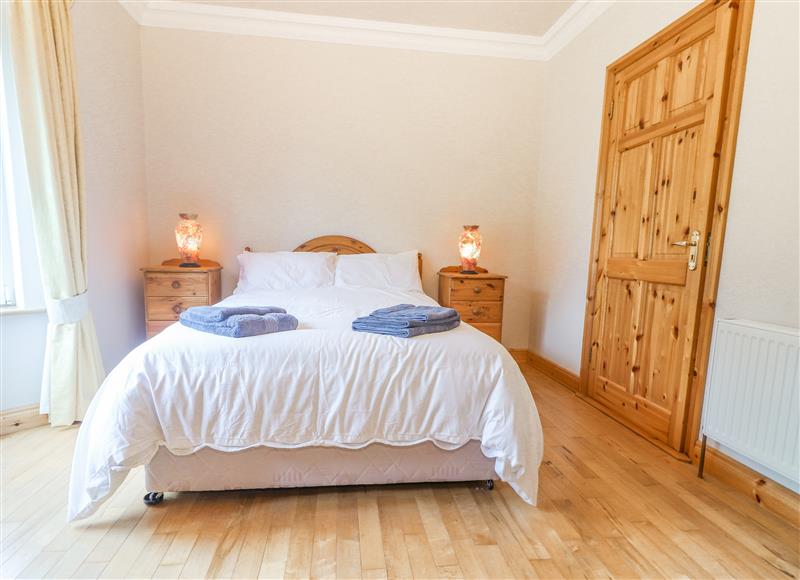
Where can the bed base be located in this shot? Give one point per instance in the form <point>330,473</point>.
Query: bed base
<point>269,467</point>
<point>156,497</point>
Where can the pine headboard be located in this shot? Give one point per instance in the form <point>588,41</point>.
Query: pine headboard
<point>338,245</point>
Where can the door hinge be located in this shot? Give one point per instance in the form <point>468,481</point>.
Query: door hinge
<point>611,110</point>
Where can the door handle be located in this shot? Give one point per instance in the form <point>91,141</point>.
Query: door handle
<point>692,243</point>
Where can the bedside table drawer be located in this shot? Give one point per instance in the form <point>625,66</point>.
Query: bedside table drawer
<point>175,284</point>
<point>169,308</point>
<point>493,330</point>
<point>478,298</point>
<point>154,327</point>
<point>170,289</point>
<point>465,290</point>
<point>479,311</point>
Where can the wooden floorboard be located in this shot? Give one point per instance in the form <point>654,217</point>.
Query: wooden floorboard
<point>610,505</point>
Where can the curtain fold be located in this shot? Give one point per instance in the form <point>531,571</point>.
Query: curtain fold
<point>41,49</point>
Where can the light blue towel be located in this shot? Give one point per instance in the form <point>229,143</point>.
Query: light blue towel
<point>378,327</point>
<point>209,314</point>
<point>409,312</point>
<point>240,325</point>
<point>402,323</point>
<point>407,321</point>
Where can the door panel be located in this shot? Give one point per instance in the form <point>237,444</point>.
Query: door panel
<point>635,168</point>
<point>659,168</point>
<point>657,362</point>
<point>646,98</point>
<point>689,75</point>
<point>618,331</point>
<point>675,193</point>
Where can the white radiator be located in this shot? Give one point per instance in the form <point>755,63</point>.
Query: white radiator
<point>752,399</point>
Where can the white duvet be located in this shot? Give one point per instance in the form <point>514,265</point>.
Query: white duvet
<point>322,384</point>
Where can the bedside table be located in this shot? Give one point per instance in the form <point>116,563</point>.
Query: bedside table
<point>478,298</point>
<point>170,289</point>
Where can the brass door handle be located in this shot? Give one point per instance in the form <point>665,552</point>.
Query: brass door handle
<point>692,244</point>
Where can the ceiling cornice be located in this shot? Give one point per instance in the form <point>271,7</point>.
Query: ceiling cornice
<point>570,24</point>
<point>334,29</point>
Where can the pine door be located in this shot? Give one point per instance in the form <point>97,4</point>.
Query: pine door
<point>658,170</point>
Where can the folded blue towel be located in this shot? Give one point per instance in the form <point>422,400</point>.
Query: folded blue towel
<point>415,313</point>
<point>243,325</point>
<point>407,320</point>
<point>211,314</point>
<point>387,322</point>
<point>378,327</point>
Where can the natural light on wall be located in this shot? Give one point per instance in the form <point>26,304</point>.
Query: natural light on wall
<point>20,281</point>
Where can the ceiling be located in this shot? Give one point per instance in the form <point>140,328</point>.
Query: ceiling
<point>529,17</point>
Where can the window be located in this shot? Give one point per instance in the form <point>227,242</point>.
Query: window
<point>20,281</point>
<point>9,254</point>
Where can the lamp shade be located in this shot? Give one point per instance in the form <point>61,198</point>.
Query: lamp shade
<point>469,247</point>
<point>189,236</point>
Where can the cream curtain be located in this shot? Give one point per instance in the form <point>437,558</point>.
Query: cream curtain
<point>44,74</point>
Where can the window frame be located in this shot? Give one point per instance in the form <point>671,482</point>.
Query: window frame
<point>19,240</point>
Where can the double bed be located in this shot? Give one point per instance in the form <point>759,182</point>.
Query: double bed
<point>320,405</point>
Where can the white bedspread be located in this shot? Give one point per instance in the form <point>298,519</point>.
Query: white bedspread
<point>322,384</point>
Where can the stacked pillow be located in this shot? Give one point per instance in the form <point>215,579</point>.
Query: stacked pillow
<point>285,270</point>
<point>395,271</point>
<point>296,270</point>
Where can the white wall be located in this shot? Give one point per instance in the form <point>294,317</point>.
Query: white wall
<point>274,142</point>
<point>107,54</point>
<point>760,267</point>
<point>108,59</point>
<point>760,277</point>
<point>22,338</point>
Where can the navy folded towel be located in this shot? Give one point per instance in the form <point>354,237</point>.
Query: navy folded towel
<point>238,322</point>
<point>407,320</point>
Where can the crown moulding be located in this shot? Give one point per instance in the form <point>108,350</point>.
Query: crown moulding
<point>337,30</point>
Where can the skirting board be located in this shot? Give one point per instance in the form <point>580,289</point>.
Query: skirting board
<point>14,420</point>
<point>570,380</point>
<point>554,371</point>
<point>520,355</point>
<point>768,494</point>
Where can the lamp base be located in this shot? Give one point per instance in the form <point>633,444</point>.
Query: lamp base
<point>468,272</point>
<point>189,265</point>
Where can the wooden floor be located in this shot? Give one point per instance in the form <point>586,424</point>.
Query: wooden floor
<point>610,504</point>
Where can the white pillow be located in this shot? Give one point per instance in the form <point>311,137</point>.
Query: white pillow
<point>285,270</point>
<point>396,271</point>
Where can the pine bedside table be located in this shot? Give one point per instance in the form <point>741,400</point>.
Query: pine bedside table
<point>478,298</point>
<point>170,289</point>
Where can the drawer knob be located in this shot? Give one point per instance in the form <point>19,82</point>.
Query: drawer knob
<point>476,311</point>
<point>477,289</point>
<point>177,308</point>
<point>176,284</point>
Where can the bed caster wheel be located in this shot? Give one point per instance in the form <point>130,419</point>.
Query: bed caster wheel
<point>153,498</point>
<point>490,484</point>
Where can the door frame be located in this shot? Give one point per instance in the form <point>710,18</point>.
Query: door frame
<point>727,150</point>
